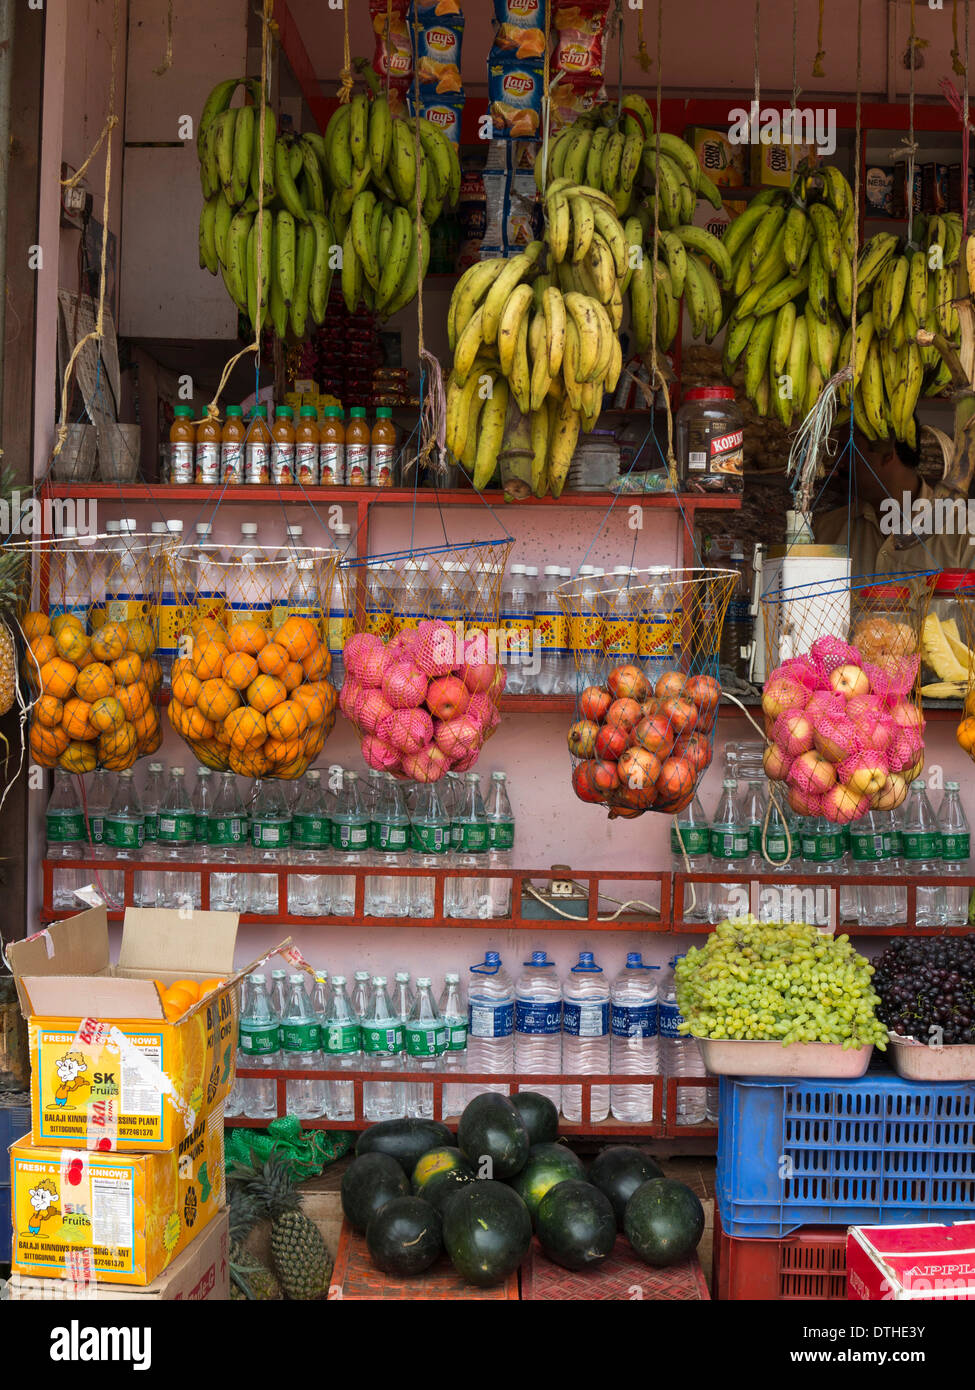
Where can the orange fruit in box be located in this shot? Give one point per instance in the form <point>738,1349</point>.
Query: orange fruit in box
<point>298,636</point>
<point>247,637</point>
<point>58,677</point>
<point>208,986</point>
<point>191,987</point>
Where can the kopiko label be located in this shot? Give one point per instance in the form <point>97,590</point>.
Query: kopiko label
<point>65,826</point>
<point>956,846</point>
<point>426,1039</point>
<point>259,1039</point>
<point>866,848</point>
<point>669,1019</point>
<point>341,1038</point>
<point>729,844</point>
<point>383,1037</point>
<point>921,844</point>
<point>300,1037</point>
<point>536,1018</point>
<point>310,832</point>
<point>177,827</point>
<point>823,849</point>
<point>430,839</point>
<point>501,834</point>
<point>490,1021</point>
<point>696,838</point>
<point>586,1020</point>
<point>634,1020</point>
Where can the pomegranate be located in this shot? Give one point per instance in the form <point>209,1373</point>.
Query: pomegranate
<point>628,682</point>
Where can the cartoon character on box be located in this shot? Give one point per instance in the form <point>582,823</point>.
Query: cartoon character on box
<point>69,1069</point>
<point>44,1200</point>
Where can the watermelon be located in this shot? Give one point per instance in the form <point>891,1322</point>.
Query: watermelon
<point>368,1184</point>
<point>405,1236</point>
<point>405,1140</point>
<point>491,1129</point>
<point>486,1232</point>
<point>541,1117</point>
<point>576,1225</point>
<point>664,1222</point>
<point>548,1164</point>
<point>619,1170</point>
<point>439,1173</point>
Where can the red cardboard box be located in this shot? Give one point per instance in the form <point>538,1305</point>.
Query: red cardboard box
<point>911,1262</point>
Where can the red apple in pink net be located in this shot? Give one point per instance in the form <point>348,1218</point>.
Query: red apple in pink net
<point>465,764</point>
<point>849,681</point>
<point>371,709</point>
<point>805,803</point>
<point>429,765</point>
<point>404,685</point>
<point>594,702</point>
<point>907,716</point>
<point>379,754</point>
<point>447,696</point>
<point>836,738</point>
<point>793,733</point>
<point>863,773</point>
<point>477,670</point>
<point>782,694</point>
<point>904,750</point>
<point>824,702</point>
<point>878,734</point>
<point>459,737</point>
<point>891,794</point>
<point>349,698</point>
<point>842,804</point>
<point>776,763</point>
<point>812,774</point>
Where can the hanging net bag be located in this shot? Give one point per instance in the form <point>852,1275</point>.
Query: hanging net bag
<point>243,636</point>
<point>646,652</point>
<point>842,700</point>
<point>90,664</point>
<point>425,658</point>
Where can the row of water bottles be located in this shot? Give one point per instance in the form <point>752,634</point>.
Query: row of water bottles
<point>932,846</point>
<point>342,822</point>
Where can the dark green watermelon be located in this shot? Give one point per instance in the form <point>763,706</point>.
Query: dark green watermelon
<point>486,1232</point>
<point>664,1222</point>
<point>619,1170</point>
<point>368,1184</point>
<point>541,1117</point>
<point>405,1140</point>
<point>439,1173</point>
<point>492,1129</point>
<point>548,1164</point>
<point>576,1225</point>
<point>405,1237</point>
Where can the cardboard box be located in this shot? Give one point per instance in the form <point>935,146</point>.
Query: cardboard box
<point>774,166</point>
<point>113,1218</point>
<point>911,1263</point>
<point>108,1070</point>
<point>724,162</point>
<point>200,1275</point>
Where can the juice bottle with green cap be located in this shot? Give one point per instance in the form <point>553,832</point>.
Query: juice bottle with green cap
<point>283,446</point>
<point>382,453</point>
<point>358,444</point>
<point>182,446</point>
<point>306,446</point>
<point>208,451</point>
<point>232,447</point>
<point>257,449</point>
<point>331,449</point>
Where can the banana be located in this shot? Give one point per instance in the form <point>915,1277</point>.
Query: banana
<point>615,365</point>
<point>844,284</point>
<point>609,227</point>
<point>788,288</point>
<point>541,377</point>
<point>707,285</point>
<point>559,229</point>
<point>612,155</point>
<point>872,389</point>
<point>321,272</point>
<point>540,425</point>
<point>209,260</point>
<point>594,158</point>
<point>402,164</point>
<point>895,283</point>
<point>583,226</point>
<point>562,444</point>
<point>416,268</point>
<point>448,156</point>
<point>469,344</point>
<point>864,335</point>
<point>520,379</point>
<point>675,255</point>
<point>796,224</point>
<point>695,298</point>
<point>304,262</point>
<point>352,276</point>
<point>757,352</point>
<point>707,244</point>
<point>668,179</point>
<point>312,174</point>
<point>243,149</point>
<point>338,149</point>
<point>395,261</point>
<point>873,257</point>
<point>839,194</point>
<point>917,291</point>
<point>217,102</point>
<point>741,229</point>
<point>668,311</point>
<point>735,341</point>
<point>554,310</point>
<point>629,162</point>
<point>827,231</point>
<point>765,234</point>
<point>497,296</point>
<point>221,223</point>
<point>599,268</point>
<point>818,283</point>
<point>463,409</point>
<point>470,289</point>
<point>380,135</point>
<point>490,434</point>
<point>509,325</point>
<point>235,264</point>
<point>360,225</point>
<point>359,130</point>
<point>285,184</point>
<point>580,309</point>
<point>944,289</point>
<point>209,178</point>
<point>224,127</point>
<point>284,258</point>
<point>570,363</point>
<point>785,322</point>
<point>263,152</point>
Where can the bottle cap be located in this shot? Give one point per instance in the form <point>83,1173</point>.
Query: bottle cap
<point>259,412</point>
<point>284,412</point>
<point>176,772</point>
<point>234,410</point>
<point>185,412</point>
<point>338,979</point>
<point>451,979</point>
<point>551,570</point>
<point>951,786</point>
<point>539,958</point>
<point>308,412</point>
<point>361,975</point>
<point>203,528</point>
<point>296,979</point>
<point>258,978</point>
<point>358,412</point>
<point>379,980</point>
<point>499,776</point>
<point>384,412</point>
<point>248,528</point>
<point>158,528</point>
<point>634,960</point>
<point>402,976</point>
<point>174,527</point>
<point>919,784</point>
<point>423,981</point>
<point>586,965</point>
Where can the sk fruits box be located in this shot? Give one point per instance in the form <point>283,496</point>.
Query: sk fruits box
<point>110,1068</point>
<point>113,1218</point>
<point>907,1263</point>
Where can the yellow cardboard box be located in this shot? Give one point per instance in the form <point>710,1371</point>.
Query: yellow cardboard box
<point>108,1071</point>
<point>724,162</point>
<point>113,1218</point>
<point>774,166</point>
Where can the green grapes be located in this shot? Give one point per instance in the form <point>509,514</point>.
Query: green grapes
<point>781,981</point>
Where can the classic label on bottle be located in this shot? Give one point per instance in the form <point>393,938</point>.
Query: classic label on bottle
<point>655,636</point>
<point>300,1037</point>
<point>306,463</point>
<point>282,463</point>
<point>312,832</point>
<point>538,1018</point>
<point>340,1038</point>
<point>208,462</point>
<point>270,834</point>
<point>384,1037</point>
<point>350,837</point>
<point>65,826</point>
<point>551,631</point>
<point>176,826</point>
<point>181,463</point>
<point>258,455</point>
<point>822,848</point>
<point>586,633</point>
<point>956,846</point>
<point>430,839</point>
<point>669,1019</point>
<point>381,462</point>
<point>124,834</point>
<point>331,463</point>
<point>586,1020</point>
<point>729,844</point>
<point>501,834</point>
<point>456,1034</point>
<point>634,1020</point>
<point>696,838</point>
<point>516,634</point>
<point>224,830</point>
<point>921,844</point>
<point>621,639</point>
<point>474,838</point>
<point>490,1021</point>
<point>232,462</point>
<point>426,1039</point>
<point>866,848</point>
<point>258,1039</point>
<point>356,465</point>
<point>776,847</point>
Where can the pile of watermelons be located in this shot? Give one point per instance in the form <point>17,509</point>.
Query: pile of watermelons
<point>416,1190</point>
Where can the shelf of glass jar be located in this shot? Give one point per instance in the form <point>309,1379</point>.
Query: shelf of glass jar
<point>660,1127</point>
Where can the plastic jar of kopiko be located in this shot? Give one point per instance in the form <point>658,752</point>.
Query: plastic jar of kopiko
<point>710,441</point>
<point>883,625</point>
<point>182,445</point>
<point>946,605</point>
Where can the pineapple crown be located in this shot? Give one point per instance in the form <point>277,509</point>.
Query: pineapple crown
<point>268,1188</point>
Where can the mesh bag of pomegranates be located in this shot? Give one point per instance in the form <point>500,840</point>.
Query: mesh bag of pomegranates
<point>842,700</point>
<point>424,656</point>
<point>645,644</point>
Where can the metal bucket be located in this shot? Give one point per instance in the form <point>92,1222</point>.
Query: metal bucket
<point>76,461</point>
<point>119,450</point>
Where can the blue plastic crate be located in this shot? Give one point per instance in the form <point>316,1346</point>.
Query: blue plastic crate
<point>876,1151</point>
<point>14,1124</point>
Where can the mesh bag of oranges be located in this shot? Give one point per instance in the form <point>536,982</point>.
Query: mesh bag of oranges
<point>645,644</point>
<point>250,687</point>
<point>842,699</point>
<point>425,659</point>
<point>90,660</point>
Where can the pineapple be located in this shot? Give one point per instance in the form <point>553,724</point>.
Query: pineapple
<point>13,577</point>
<point>301,1259</point>
<point>249,1278</point>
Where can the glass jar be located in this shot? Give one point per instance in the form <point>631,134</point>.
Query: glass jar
<point>710,441</point>
<point>947,607</point>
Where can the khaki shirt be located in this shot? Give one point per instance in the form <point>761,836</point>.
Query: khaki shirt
<point>873,544</point>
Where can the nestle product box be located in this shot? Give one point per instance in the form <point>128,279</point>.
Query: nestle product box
<point>899,1263</point>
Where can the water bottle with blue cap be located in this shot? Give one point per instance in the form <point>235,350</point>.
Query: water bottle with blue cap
<point>490,1022</point>
<point>634,1045</point>
<point>538,1023</point>
<point>585,1035</point>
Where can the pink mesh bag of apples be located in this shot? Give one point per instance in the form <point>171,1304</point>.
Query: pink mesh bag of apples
<point>646,652</point>
<point>425,661</point>
<point>843,711</point>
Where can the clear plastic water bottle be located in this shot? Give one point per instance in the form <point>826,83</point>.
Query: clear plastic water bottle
<point>66,837</point>
<point>279,993</point>
<point>452,1011</point>
<point>690,852</point>
<point>530,653</point>
<point>921,841</point>
<point>343,1051</point>
<point>177,842</point>
<point>870,853</point>
<point>567,681</point>
<point>469,897</point>
<point>308,894</point>
<point>729,854</point>
<point>148,886</point>
<point>893,837</point>
<point>779,839</point>
<point>123,832</point>
<point>585,1035</point>
<point>956,846</point>
<point>823,854</point>
<point>99,792</point>
<point>501,840</point>
<point>634,1043</point>
<point>226,844</point>
<point>337,620</point>
<point>538,1023</point>
<point>514,623</point>
<point>301,1048</point>
<point>550,632</point>
<point>490,1023</point>
<point>350,842</point>
<point>202,802</point>
<point>259,1049</point>
<point>426,1043</point>
<point>361,1000</point>
<point>402,998</point>
<point>430,841</point>
<point>754,804</point>
<point>586,622</point>
<point>320,997</point>
<point>383,1041</point>
<point>234,1103</point>
<point>170,599</point>
<point>69,578</point>
<point>387,895</point>
<point>270,831</point>
<point>680,1055</point>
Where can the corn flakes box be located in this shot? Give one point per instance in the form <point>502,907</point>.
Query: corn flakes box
<point>111,1218</point>
<point>774,166</point>
<point>724,162</point>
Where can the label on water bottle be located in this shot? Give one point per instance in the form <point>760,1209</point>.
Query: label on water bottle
<point>270,834</point>
<point>65,826</point>
<point>634,1020</point>
<point>258,1039</point>
<point>385,1037</point>
<point>300,1037</point>
<point>823,848</point>
<point>176,827</point>
<point>123,834</point>
<point>311,832</point>
<point>551,632</point>
<point>536,1018</point>
<point>896,844</point>
<point>224,830</point>
<point>474,837</point>
<point>349,837</point>
<point>867,848</point>
<point>776,848</point>
<point>955,846</point>
<point>392,838</point>
<point>456,1034</point>
<point>586,1020</point>
<point>921,844</point>
<point>426,1039</point>
<point>340,1038</point>
<point>669,1019</point>
<point>501,834</point>
<point>150,827</point>
<point>97,827</point>
<point>490,1020</point>
<point>430,839</point>
<point>755,839</point>
<point>729,844</point>
<point>200,828</point>
<point>696,838</point>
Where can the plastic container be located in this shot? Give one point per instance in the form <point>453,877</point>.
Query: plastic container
<point>875,1151</point>
<point>917,1062</point>
<point>182,446</point>
<point>808,1266</point>
<point>283,446</point>
<point>946,605</point>
<point>595,464</point>
<point>757,1058</point>
<point>710,441</point>
<point>208,437</point>
<point>331,449</point>
<point>257,448</point>
<point>306,446</point>
<point>232,447</point>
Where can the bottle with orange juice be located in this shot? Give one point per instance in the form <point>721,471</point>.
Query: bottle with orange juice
<point>182,446</point>
<point>232,447</point>
<point>331,449</point>
<point>306,446</point>
<point>257,447</point>
<point>358,445</point>
<point>208,441</point>
<point>382,449</point>
<point>283,446</point>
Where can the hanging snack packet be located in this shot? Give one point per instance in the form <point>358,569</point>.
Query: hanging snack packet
<point>515,96</point>
<point>520,29</point>
<point>572,99</point>
<point>438,44</point>
<point>580,28</point>
<point>393,55</point>
<point>445,112</point>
